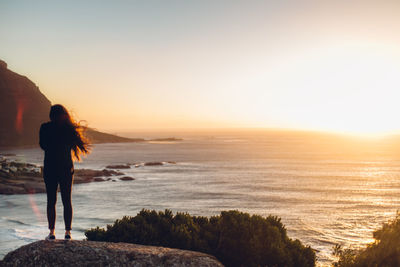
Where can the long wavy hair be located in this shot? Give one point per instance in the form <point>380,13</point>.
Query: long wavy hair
<point>75,132</point>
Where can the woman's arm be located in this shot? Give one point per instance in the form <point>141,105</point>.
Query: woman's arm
<point>43,137</point>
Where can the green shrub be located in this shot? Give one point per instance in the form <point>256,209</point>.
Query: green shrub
<point>235,238</point>
<point>384,251</point>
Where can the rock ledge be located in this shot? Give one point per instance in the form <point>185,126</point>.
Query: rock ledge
<point>89,253</point>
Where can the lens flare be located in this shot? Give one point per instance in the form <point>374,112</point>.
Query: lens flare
<point>35,208</point>
<point>19,124</point>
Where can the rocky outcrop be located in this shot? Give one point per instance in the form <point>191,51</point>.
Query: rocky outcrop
<point>89,253</point>
<point>155,163</point>
<point>26,178</point>
<point>127,178</point>
<point>118,166</point>
<point>87,175</point>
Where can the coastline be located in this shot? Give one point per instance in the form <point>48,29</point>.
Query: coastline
<point>26,178</point>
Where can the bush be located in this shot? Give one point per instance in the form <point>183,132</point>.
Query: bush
<point>384,251</point>
<point>235,238</point>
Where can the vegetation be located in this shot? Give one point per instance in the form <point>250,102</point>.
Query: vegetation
<point>384,251</point>
<point>235,238</point>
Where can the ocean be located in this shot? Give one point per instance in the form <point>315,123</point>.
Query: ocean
<point>327,189</point>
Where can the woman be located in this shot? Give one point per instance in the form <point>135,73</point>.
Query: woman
<point>58,138</point>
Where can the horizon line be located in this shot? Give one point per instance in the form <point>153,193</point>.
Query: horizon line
<point>251,129</point>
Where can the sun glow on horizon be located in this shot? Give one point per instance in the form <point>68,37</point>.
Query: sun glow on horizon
<point>311,65</point>
<point>352,88</point>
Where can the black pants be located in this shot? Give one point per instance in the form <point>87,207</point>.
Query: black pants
<point>65,181</point>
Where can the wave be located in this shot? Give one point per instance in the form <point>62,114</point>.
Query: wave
<point>16,221</point>
<point>27,235</point>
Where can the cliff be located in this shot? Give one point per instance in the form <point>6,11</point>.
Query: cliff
<point>23,108</point>
<point>89,253</point>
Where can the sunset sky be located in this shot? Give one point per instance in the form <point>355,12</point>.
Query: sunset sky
<point>126,65</point>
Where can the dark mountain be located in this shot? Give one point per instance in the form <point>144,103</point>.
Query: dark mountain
<point>23,108</point>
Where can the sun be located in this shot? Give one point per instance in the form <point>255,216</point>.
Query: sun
<point>343,88</point>
<point>362,91</point>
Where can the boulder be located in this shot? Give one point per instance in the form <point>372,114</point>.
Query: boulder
<point>95,173</point>
<point>127,178</point>
<point>88,253</point>
<point>154,163</point>
<point>118,166</point>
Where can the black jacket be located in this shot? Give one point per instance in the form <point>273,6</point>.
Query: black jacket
<point>57,142</point>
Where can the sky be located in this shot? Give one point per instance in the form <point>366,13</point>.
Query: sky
<point>128,65</point>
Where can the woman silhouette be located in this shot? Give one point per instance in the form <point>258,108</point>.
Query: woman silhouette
<point>58,138</point>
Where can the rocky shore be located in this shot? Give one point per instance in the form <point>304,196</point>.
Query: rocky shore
<point>89,253</point>
<point>26,178</point>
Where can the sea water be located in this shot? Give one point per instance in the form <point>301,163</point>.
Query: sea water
<point>328,190</point>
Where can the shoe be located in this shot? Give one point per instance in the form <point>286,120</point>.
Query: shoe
<point>50,237</point>
<point>67,237</point>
